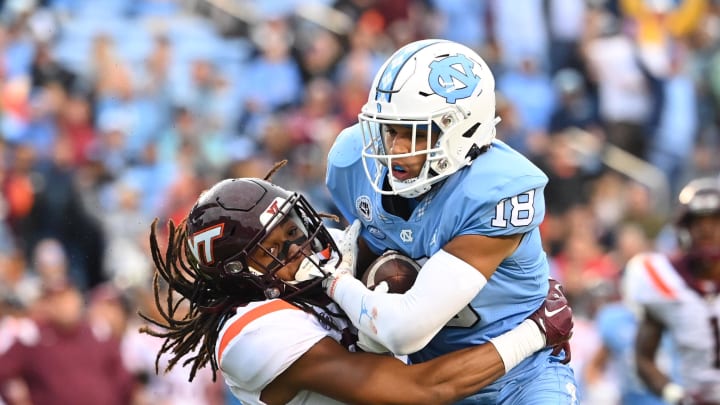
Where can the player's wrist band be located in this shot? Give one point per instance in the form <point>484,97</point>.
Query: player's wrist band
<point>332,281</point>
<point>519,343</point>
<point>672,393</point>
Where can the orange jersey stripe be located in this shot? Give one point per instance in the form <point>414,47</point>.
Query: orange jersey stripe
<point>657,280</point>
<point>255,313</point>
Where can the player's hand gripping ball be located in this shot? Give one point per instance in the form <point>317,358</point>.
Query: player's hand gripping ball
<point>395,269</point>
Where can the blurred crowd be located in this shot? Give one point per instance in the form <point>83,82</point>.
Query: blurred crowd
<point>116,112</point>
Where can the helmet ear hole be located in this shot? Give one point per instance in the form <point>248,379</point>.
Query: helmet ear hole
<point>234,267</point>
<point>684,239</point>
<point>471,131</point>
<point>272,293</point>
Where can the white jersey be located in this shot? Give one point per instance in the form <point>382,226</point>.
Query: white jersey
<point>691,319</point>
<point>261,341</point>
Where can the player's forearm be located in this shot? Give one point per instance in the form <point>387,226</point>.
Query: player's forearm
<point>405,323</point>
<point>469,370</point>
<point>647,343</point>
<point>659,383</point>
<point>651,375</point>
<point>399,322</point>
<point>443,380</point>
<point>462,373</point>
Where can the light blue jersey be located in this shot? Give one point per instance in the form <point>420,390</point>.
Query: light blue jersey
<point>501,193</point>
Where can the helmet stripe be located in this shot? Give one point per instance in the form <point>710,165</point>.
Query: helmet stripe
<point>395,64</point>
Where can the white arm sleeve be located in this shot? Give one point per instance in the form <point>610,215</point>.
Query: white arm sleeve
<point>405,323</point>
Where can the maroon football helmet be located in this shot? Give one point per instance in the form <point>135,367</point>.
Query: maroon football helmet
<point>699,198</point>
<point>231,220</point>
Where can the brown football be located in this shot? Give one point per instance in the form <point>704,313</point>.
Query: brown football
<point>399,271</point>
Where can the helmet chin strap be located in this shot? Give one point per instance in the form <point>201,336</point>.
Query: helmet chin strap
<point>414,192</point>
<point>410,190</point>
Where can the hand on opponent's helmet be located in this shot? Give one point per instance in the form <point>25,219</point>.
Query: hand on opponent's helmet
<point>347,244</point>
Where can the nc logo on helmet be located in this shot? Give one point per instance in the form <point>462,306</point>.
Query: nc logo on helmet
<point>453,78</point>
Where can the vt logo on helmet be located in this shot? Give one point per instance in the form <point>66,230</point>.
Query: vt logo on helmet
<point>201,243</point>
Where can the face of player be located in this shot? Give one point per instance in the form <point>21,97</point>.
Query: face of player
<point>705,232</point>
<point>398,140</point>
<point>284,242</point>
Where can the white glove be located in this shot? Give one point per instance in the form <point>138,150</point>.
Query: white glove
<point>348,249</point>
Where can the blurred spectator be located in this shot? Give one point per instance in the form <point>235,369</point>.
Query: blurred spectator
<point>110,310</point>
<point>315,120</point>
<point>76,125</point>
<point>46,69</point>
<point>528,87</point>
<point>14,326</point>
<point>569,183</point>
<point>641,209</point>
<point>319,52</point>
<point>209,96</point>
<point>463,21</point>
<point>566,23</point>
<point>15,103</point>
<point>53,361</point>
<point>656,24</point>
<point>50,263</point>
<point>583,263</point>
<point>516,44</point>
<point>120,108</point>
<point>45,109</point>
<point>126,258</point>
<point>511,130</point>
<point>58,212</point>
<point>674,142</point>
<point>575,107</point>
<point>17,41</point>
<point>272,79</point>
<point>623,92</point>
<point>164,388</point>
<point>18,288</point>
<point>17,186</point>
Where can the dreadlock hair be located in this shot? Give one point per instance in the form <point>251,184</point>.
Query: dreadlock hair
<point>195,307</point>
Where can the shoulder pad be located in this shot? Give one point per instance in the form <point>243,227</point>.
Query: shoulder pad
<point>269,336</point>
<point>347,147</point>
<point>651,278</point>
<point>502,173</point>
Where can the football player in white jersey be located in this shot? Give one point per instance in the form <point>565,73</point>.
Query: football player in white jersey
<point>246,298</point>
<point>679,296</point>
<point>424,175</point>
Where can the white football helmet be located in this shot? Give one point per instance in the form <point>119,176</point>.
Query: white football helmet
<point>437,85</point>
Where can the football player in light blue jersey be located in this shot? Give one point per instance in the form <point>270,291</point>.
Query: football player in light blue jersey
<point>423,174</point>
<point>617,325</point>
